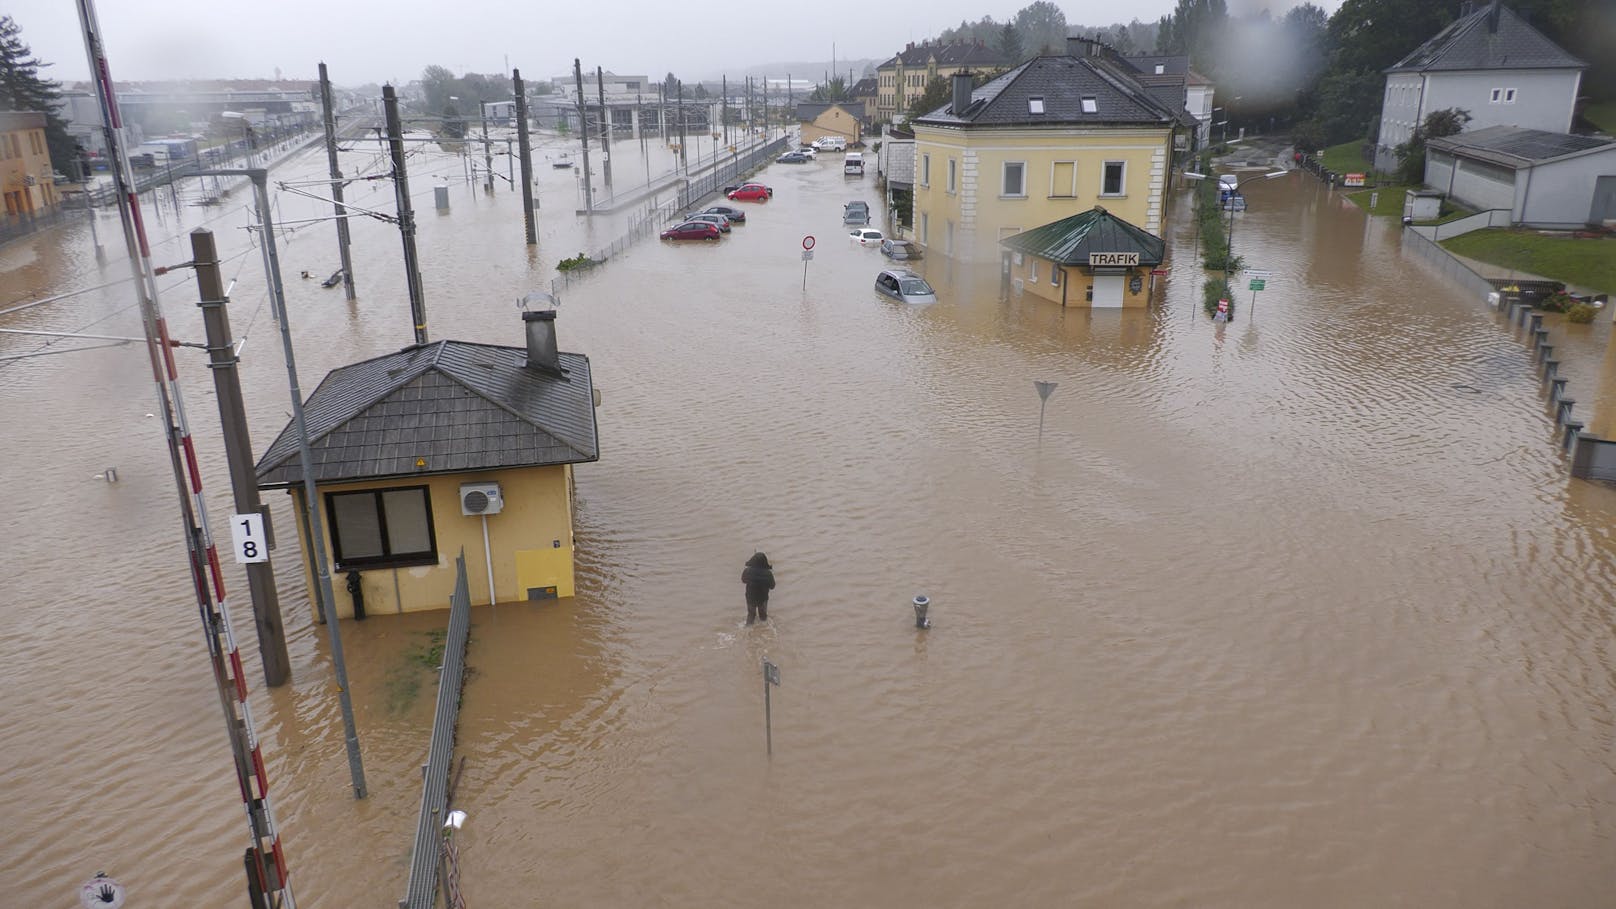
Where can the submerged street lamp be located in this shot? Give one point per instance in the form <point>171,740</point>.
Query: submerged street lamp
<point>1234,193</point>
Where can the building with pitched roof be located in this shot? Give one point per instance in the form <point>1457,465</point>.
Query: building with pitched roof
<point>442,447</point>
<point>1089,259</point>
<point>1170,76</point>
<point>1543,179</point>
<point>842,118</point>
<point>1050,138</point>
<point>903,78</point>
<point>867,92</point>
<point>1489,62</point>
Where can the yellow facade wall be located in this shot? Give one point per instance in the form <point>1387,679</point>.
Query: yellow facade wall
<point>1063,172</point>
<point>531,541</point>
<point>1075,283</point>
<point>24,154</point>
<point>832,121</point>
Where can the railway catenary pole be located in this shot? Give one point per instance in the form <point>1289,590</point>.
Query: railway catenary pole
<point>265,859</point>
<point>336,184</point>
<point>406,213</point>
<point>527,156</point>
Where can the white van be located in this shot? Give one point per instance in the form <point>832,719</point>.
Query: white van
<point>853,164</point>
<point>831,143</point>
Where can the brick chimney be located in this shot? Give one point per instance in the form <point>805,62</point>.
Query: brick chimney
<point>542,355</point>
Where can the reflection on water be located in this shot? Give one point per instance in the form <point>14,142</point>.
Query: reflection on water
<point>1297,611</point>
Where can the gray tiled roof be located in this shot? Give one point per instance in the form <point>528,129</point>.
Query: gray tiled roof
<point>958,53</point>
<point>1513,146</point>
<point>1070,240</point>
<point>1063,82</point>
<point>808,111</point>
<point>1471,42</point>
<point>461,406</point>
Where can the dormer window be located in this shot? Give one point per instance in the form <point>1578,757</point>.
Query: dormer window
<point>1089,105</point>
<point>1035,104</point>
<point>1161,68</point>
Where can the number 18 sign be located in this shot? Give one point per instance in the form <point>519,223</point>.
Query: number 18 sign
<point>247,538</point>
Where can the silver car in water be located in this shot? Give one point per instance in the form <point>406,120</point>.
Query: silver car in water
<point>907,286</point>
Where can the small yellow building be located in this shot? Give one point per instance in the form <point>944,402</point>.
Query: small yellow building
<point>842,119</point>
<point>438,448</point>
<point>1051,138</point>
<point>1094,259</point>
<point>27,179</point>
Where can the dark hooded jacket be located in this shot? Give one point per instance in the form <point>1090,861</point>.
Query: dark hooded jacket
<point>758,576</point>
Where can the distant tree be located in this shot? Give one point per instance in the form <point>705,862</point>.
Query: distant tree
<point>670,86</point>
<point>984,30</point>
<point>1120,40</point>
<point>454,126</point>
<point>935,95</point>
<point>833,91</point>
<point>1010,43</point>
<point>22,88</point>
<point>1411,154</point>
<point>1043,27</point>
<point>1194,28</point>
<point>437,84</point>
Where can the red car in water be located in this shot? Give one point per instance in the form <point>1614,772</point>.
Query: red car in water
<point>750,192</point>
<point>692,230</point>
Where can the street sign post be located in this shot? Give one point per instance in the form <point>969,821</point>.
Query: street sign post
<point>771,676</point>
<point>1256,285</point>
<point>1045,389</point>
<point>807,256</point>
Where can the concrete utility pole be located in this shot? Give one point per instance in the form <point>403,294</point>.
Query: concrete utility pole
<point>684,159</point>
<point>488,153</point>
<point>238,452</point>
<point>723,108</point>
<point>336,185</point>
<point>605,130</point>
<point>406,214</point>
<point>583,132</point>
<point>527,156</point>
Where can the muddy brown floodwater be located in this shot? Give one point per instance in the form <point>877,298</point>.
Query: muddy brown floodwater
<point>1303,612</point>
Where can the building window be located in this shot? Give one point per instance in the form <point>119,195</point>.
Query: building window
<point>1090,106</point>
<point>1112,184</point>
<point>380,528</point>
<point>953,174</point>
<point>949,248</point>
<point>1497,94</point>
<point>1063,180</point>
<point>1035,104</point>
<point>1161,68</point>
<point>925,170</point>
<point>1054,274</point>
<point>925,228</point>
<point>1015,179</point>
<point>1509,96</point>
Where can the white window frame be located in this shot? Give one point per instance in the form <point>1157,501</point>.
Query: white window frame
<point>1122,184</point>
<point>1004,180</point>
<point>953,176</point>
<point>1071,190</point>
<point>1091,105</point>
<point>925,169</point>
<point>925,228</point>
<point>1054,274</point>
<point>1035,104</point>
<point>1509,96</point>
<point>1497,94</point>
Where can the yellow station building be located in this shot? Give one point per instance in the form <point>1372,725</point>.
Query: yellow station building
<point>27,180</point>
<point>1051,138</point>
<point>438,448</point>
<point>1093,259</point>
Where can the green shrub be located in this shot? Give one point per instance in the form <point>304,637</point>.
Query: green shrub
<point>578,261</point>
<point>1557,302</point>
<point>1217,289</point>
<point>1581,313</point>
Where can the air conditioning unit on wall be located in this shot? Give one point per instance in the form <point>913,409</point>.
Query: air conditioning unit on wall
<point>481,498</point>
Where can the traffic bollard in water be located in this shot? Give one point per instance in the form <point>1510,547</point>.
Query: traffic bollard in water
<point>921,604</point>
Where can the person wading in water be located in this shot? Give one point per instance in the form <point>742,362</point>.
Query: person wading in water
<point>758,576</point>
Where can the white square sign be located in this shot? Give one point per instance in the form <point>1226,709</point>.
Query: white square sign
<point>247,538</point>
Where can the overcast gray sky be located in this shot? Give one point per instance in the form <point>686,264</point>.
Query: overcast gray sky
<point>369,41</point>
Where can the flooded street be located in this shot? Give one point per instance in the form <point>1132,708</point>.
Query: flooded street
<point>1302,611</point>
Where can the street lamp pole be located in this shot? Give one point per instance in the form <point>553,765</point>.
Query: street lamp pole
<point>1228,240</point>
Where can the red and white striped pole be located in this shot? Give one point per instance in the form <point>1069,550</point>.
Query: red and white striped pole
<point>267,858</point>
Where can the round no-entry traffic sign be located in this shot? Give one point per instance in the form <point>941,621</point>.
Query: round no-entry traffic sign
<point>808,242</point>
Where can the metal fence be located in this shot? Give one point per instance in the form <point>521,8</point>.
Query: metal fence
<point>426,859</point>
<point>651,218</point>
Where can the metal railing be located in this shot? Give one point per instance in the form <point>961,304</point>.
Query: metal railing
<point>690,193</point>
<point>1492,217</point>
<point>426,859</point>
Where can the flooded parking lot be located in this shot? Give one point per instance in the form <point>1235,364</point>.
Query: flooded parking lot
<point>1303,611</point>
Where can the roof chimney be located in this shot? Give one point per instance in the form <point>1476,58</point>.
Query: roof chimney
<point>962,93</point>
<point>541,342</point>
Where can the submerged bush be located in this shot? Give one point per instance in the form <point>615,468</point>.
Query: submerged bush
<point>1581,313</point>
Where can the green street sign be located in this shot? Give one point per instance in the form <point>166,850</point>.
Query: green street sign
<point>1258,284</point>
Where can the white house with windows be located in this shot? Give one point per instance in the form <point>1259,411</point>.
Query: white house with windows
<point>1490,63</point>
